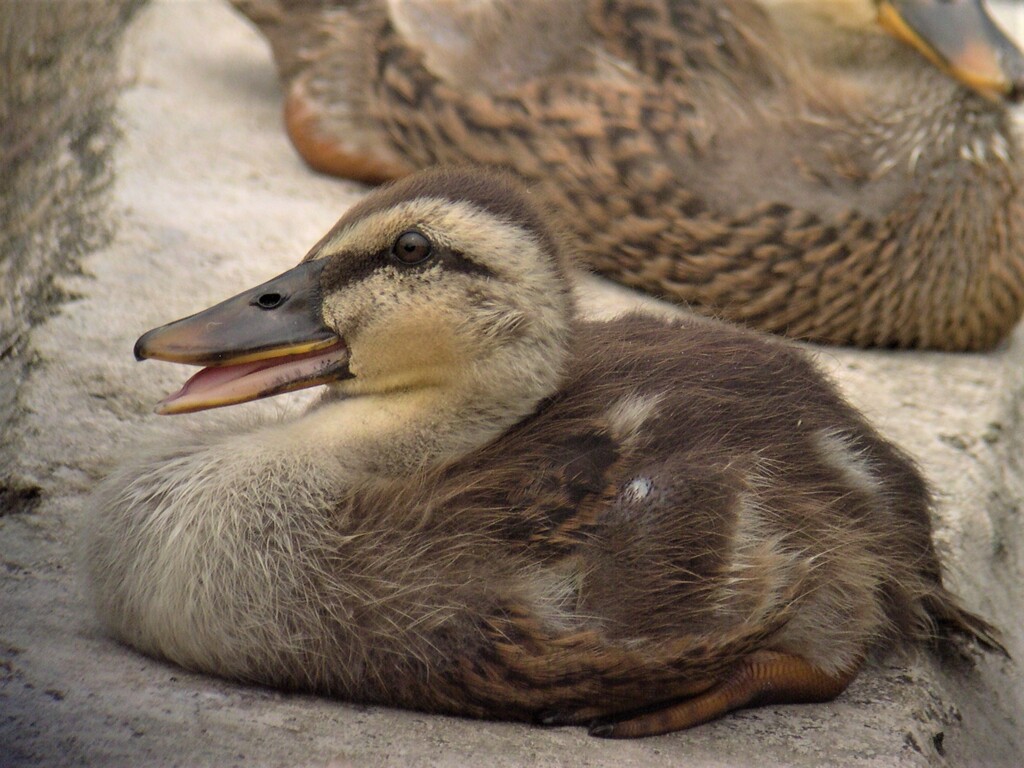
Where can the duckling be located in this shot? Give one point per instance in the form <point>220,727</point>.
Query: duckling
<point>790,165</point>
<point>499,509</point>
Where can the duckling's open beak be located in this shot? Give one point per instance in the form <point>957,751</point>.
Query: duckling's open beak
<point>960,38</point>
<point>265,341</point>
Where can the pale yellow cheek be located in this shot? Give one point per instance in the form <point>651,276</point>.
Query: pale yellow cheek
<point>405,353</point>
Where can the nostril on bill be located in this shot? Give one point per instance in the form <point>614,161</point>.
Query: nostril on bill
<point>269,300</point>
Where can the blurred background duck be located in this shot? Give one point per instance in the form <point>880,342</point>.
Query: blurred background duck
<point>501,510</point>
<point>792,165</point>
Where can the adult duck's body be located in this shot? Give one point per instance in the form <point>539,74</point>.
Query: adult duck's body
<point>785,164</point>
<point>501,510</point>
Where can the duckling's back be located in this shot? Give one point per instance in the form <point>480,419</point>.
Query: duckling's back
<point>691,473</point>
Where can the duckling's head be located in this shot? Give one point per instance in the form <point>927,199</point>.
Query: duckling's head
<point>957,36</point>
<point>449,280</point>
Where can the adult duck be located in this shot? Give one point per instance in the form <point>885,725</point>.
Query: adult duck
<point>785,164</point>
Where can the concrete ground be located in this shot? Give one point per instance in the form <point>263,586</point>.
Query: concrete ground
<point>210,199</point>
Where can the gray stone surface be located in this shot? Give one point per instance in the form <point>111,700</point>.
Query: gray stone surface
<point>209,199</point>
<point>58,85</point>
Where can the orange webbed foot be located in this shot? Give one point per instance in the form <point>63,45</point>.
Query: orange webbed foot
<point>765,677</point>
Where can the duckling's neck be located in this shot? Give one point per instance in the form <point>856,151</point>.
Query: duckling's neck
<point>389,432</point>
<point>398,433</point>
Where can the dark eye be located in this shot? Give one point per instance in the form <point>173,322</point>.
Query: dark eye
<point>411,248</point>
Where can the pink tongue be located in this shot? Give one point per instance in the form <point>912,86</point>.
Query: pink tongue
<point>230,384</point>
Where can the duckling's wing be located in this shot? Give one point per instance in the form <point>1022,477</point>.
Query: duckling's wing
<point>624,596</point>
<point>527,671</point>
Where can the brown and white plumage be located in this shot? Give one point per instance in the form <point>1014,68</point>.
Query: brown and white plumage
<point>501,510</point>
<point>785,164</point>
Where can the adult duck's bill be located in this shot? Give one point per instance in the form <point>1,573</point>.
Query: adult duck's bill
<point>960,37</point>
<point>262,342</point>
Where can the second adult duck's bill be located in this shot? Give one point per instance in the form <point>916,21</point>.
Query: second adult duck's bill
<point>262,342</point>
<point>959,37</point>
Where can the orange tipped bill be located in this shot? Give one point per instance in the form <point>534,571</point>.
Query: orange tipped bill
<point>961,38</point>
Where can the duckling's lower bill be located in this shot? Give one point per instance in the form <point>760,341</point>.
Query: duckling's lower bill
<point>234,383</point>
<point>504,510</point>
